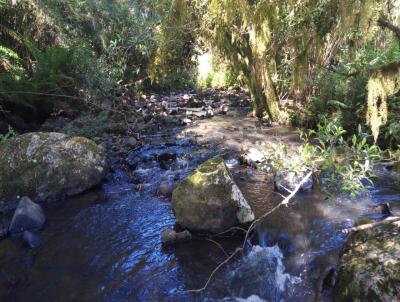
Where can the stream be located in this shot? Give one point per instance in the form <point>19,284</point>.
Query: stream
<point>105,245</point>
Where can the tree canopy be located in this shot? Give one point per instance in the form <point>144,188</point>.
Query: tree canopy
<point>297,58</point>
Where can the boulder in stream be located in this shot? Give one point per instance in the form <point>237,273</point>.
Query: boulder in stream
<point>252,157</point>
<point>48,166</point>
<point>370,266</point>
<point>288,180</point>
<point>209,200</point>
<point>27,216</point>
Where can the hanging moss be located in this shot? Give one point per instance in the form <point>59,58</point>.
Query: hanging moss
<point>172,65</point>
<point>383,83</point>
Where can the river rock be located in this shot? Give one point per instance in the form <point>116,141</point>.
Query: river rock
<point>252,157</point>
<point>186,121</point>
<point>27,216</point>
<point>132,142</point>
<point>48,166</point>
<point>370,266</point>
<point>288,180</point>
<point>165,189</point>
<point>224,109</point>
<point>209,113</point>
<point>169,237</point>
<point>209,200</point>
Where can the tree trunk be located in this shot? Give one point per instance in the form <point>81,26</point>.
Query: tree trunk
<point>263,92</point>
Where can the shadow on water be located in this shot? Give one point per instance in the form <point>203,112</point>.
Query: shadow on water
<point>105,245</point>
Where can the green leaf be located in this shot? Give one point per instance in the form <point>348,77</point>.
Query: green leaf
<point>8,52</point>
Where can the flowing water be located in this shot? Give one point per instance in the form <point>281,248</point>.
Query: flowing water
<point>105,245</point>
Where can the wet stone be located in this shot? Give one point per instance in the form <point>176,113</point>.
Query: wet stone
<point>169,237</point>
<point>165,189</point>
<point>132,142</point>
<point>27,216</point>
<point>31,240</point>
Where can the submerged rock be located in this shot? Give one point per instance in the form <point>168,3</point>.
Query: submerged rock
<point>165,189</point>
<point>27,216</point>
<point>209,200</point>
<point>288,180</point>
<point>370,266</point>
<point>31,240</point>
<point>48,165</point>
<point>169,237</point>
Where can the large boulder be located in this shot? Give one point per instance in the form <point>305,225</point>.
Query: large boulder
<point>209,200</point>
<point>28,216</point>
<point>47,166</point>
<point>370,266</point>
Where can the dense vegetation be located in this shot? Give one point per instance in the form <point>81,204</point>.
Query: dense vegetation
<point>322,58</point>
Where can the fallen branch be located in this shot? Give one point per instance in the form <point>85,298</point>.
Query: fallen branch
<point>371,225</point>
<point>215,271</point>
<point>44,94</point>
<point>285,202</point>
<point>386,24</point>
<point>219,246</point>
<point>228,231</point>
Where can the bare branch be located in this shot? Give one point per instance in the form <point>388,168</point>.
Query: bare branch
<point>219,245</point>
<point>371,225</point>
<point>215,271</point>
<point>386,24</point>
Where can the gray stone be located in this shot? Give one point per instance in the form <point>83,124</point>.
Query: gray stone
<point>288,180</point>
<point>165,189</point>
<point>132,142</point>
<point>209,113</point>
<point>186,121</point>
<point>369,268</point>
<point>209,200</point>
<point>49,166</point>
<point>27,216</point>
<point>224,109</point>
<point>169,237</point>
<point>252,157</point>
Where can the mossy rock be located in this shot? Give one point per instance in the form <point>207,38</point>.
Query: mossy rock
<point>370,266</point>
<point>208,200</point>
<point>48,166</point>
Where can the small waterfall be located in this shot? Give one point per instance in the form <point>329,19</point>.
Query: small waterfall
<point>261,275</point>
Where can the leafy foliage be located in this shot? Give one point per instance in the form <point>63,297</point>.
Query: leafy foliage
<point>344,163</point>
